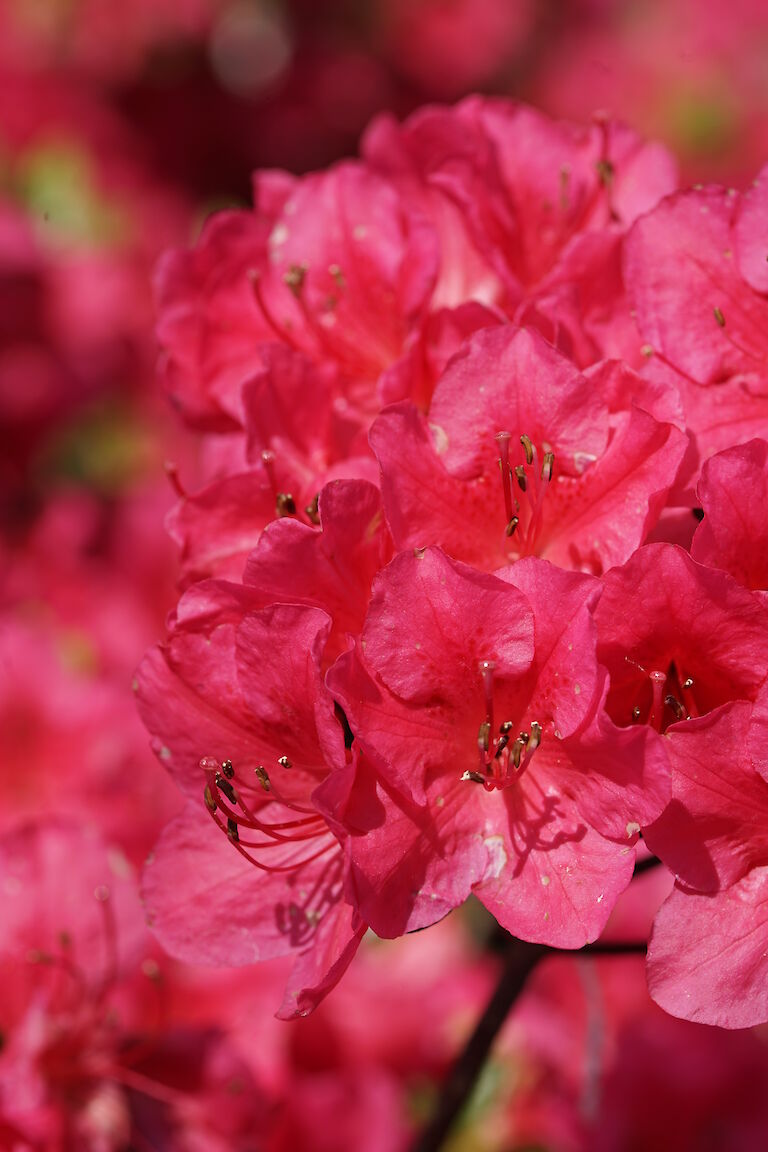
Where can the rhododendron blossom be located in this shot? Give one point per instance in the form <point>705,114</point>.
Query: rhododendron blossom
<point>515,429</point>
<point>473,699</point>
<point>469,603</point>
<point>254,754</point>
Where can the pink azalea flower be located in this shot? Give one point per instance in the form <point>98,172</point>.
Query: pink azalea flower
<point>678,640</point>
<point>87,1064</point>
<point>706,959</point>
<point>540,204</point>
<point>521,456</point>
<point>695,272</point>
<point>336,266</point>
<point>261,873</point>
<point>480,765</point>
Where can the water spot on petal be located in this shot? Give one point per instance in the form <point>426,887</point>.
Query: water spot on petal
<point>497,856</point>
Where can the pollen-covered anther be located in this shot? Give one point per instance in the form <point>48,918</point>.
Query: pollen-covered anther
<point>295,277</point>
<point>547,465</point>
<point>475,777</point>
<point>312,512</point>
<point>521,478</point>
<point>484,736</point>
<point>527,448</point>
<point>284,762</point>
<point>678,709</point>
<point>535,737</point>
<point>227,769</point>
<point>262,777</point>
<point>688,683</point>
<point>224,786</point>
<point>512,525</point>
<point>285,505</point>
<point>335,272</point>
<point>504,731</point>
<point>232,829</point>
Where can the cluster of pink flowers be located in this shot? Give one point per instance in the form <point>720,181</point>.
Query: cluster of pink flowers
<point>474,587</point>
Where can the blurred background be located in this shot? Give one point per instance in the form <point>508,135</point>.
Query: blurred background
<point>122,125</point>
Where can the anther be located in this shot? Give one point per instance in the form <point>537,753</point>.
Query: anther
<point>227,769</point>
<point>535,737</point>
<point>673,703</point>
<point>688,683</point>
<point>605,172</point>
<point>510,529</point>
<point>635,713</point>
<point>210,803</point>
<point>227,789</point>
<point>335,272</point>
<point>232,830</point>
<point>527,448</point>
<point>295,277</point>
<point>476,777</point>
<point>312,513</point>
<point>284,762</point>
<point>719,317</point>
<point>505,727</point>
<point>262,777</point>
<point>521,477</point>
<point>484,736</point>
<point>546,467</point>
<point>285,504</point>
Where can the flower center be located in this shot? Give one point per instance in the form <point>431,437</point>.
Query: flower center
<point>502,760</point>
<point>525,486</point>
<point>233,806</point>
<point>664,698</point>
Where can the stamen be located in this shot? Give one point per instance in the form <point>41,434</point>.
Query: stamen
<point>673,703</point>
<point>502,439</point>
<point>527,448</point>
<point>295,277</point>
<point>312,513</point>
<point>261,775</point>
<point>172,473</point>
<point>285,504</point>
<point>225,787</point>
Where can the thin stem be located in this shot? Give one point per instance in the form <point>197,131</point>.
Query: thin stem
<point>519,961</point>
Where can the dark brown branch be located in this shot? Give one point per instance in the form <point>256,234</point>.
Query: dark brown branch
<point>520,958</point>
